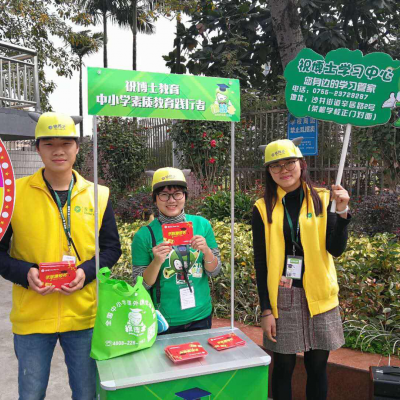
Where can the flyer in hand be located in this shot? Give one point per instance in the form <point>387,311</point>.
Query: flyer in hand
<point>178,234</point>
<point>185,351</point>
<point>57,273</point>
<point>227,341</point>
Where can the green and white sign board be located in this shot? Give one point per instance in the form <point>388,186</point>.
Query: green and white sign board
<point>114,92</point>
<point>345,87</point>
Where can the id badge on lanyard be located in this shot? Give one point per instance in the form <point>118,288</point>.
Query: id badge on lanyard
<point>66,223</point>
<point>294,264</point>
<point>294,267</point>
<point>186,294</point>
<point>187,298</point>
<point>69,257</point>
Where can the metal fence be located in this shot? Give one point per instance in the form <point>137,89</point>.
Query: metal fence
<point>158,143</point>
<point>24,158</point>
<point>359,177</point>
<point>19,85</point>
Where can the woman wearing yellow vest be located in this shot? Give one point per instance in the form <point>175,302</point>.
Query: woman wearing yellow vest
<point>294,238</point>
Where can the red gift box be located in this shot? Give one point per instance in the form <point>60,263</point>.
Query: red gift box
<point>227,341</point>
<point>178,234</point>
<point>183,352</point>
<point>57,273</point>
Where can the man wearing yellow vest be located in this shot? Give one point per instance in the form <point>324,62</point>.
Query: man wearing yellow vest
<point>53,220</point>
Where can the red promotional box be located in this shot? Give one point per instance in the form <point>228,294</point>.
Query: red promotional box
<point>226,341</point>
<point>186,351</point>
<point>57,273</point>
<point>178,234</point>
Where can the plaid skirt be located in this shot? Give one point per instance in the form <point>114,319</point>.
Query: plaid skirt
<point>297,332</point>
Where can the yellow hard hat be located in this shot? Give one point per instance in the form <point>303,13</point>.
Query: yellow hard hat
<point>53,125</point>
<point>281,150</point>
<point>168,176</point>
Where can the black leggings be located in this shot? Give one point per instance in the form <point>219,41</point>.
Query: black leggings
<point>317,383</point>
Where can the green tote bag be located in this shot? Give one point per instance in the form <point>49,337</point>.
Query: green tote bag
<point>126,319</point>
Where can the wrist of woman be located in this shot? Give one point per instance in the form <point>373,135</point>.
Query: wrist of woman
<point>266,313</point>
<point>208,256</point>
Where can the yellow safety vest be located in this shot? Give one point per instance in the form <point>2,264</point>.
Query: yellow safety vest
<point>38,236</point>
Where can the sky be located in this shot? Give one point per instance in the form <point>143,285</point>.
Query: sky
<point>150,49</point>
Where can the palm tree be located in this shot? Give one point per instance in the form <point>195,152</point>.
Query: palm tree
<point>84,43</point>
<point>100,11</point>
<point>136,14</point>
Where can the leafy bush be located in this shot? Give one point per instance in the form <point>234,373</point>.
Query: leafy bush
<point>123,269</point>
<point>218,206</point>
<point>246,296</point>
<point>134,206</point>
<point>204,147</point>
<point>369,276</point>
<point>377,214</point>
<point>84,159</point>
<point>123,153</point>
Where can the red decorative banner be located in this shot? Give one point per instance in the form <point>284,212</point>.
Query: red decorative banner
<point>7,190</point>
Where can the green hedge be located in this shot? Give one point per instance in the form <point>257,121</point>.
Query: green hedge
<point>368,274</point>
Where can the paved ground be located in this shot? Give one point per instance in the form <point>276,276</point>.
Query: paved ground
<point>58,386</point>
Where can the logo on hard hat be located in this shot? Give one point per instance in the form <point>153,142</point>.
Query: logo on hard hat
<point>57,127</point>
<point>278,153</point>
<point>170,176</point>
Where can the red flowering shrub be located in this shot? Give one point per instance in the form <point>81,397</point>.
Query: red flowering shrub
<point>123,153</point>
<point>203,147</point>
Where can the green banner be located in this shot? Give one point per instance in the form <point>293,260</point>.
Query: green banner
<point>345,87</point>
<point>114,92</point>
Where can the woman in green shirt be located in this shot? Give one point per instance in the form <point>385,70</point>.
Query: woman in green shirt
<point>179,288</point>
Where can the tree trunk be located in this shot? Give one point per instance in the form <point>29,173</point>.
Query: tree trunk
<point>286,24</point>
<point>105,40</point>
<point>80,100</point>
<point>134,35</point>
<point>178,45</point>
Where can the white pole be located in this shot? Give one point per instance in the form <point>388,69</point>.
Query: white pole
<point>96,202</point>
<point>232,224</point>
<point>342,161</point>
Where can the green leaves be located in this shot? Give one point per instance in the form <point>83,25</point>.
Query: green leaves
<point>227,38</point>
<point>84,43</point>
<point>375,214</point>
<point>34,24</point>
<point>123,153</point>
<point>218,206</point>
<point>204,148</point>
<point>369,275</point>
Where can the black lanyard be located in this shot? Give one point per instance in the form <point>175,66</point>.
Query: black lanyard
<point>185,270</point>
<point>295,239</point>
<point>66,223</point>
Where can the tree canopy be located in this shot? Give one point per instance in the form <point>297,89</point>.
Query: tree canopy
<point>237,38</point>
<point>35,24</point>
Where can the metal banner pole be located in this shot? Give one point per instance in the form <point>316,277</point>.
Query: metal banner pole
<point>342,161</point>
<point>232,225</point>
<point>96,202</point>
